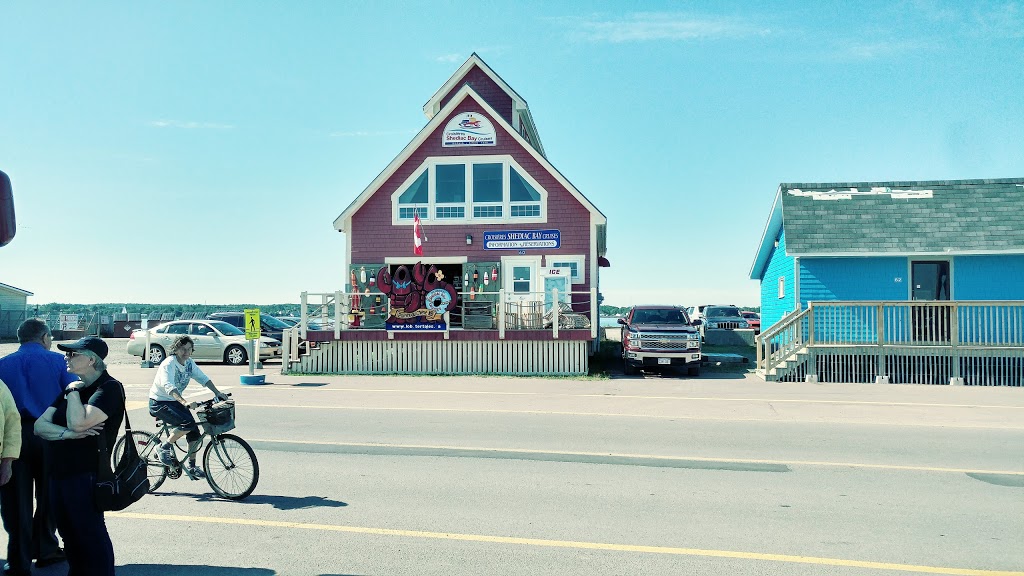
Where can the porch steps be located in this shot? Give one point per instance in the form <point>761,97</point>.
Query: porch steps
<point>785,368</point>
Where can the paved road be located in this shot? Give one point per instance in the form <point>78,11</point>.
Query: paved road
<point>490,475</point>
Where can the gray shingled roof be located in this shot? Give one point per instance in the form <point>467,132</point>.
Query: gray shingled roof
<point>944,216</point>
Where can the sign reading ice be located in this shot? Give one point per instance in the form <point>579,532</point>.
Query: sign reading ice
<point>522,239</point>
<point>468,129</point>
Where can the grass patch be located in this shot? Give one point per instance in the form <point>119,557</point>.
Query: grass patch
<point>607,359</point>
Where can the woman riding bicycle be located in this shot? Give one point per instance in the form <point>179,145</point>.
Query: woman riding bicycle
<point>167,403</point>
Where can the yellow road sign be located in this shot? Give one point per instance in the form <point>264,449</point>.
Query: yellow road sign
<point>252,323</point>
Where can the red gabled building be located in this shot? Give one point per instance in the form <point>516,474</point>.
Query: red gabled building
<point>511,250</point>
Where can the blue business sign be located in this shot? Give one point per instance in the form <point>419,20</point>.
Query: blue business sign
<point>522,239</point>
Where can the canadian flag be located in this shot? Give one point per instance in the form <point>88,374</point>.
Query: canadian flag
<point>417,235</point>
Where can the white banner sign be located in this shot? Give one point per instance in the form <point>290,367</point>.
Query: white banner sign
<point>468,129</point>
<point>69,321</point>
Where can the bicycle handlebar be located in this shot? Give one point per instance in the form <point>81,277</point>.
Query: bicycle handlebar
<point>205,404</point>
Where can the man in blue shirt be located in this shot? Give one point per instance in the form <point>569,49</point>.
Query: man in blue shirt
<point>36,376</point>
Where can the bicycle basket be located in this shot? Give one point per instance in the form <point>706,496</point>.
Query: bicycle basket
<point>219,418</point>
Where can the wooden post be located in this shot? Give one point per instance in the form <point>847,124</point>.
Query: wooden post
<point>881,377</point>
<point>500,313</point>
<point>758,343</point>
<point>812,357</point>
<point>554,313</point>
<point>593,313</point>
<point>337,314</point>
<point>955,377</point>
<point>303,314</point>
<point>286,348</point>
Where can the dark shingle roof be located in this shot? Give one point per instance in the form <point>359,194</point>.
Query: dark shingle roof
<point>945,216</point>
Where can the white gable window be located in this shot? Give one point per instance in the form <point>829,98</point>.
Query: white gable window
<point>460,189</point>
<point>525,198</point>
<point>414,199</point>
<point>573,263</point>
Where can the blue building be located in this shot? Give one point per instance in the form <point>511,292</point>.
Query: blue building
<point>896,263</point>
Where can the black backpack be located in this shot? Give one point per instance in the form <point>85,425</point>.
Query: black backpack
<point>128,482</point>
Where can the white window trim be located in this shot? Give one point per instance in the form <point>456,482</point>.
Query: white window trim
<point>468,161</point>
<point>782,287</point>
<point>578,259</point>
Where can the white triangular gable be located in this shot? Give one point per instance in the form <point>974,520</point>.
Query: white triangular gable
<point>343,221</point>
<point>433,106</point>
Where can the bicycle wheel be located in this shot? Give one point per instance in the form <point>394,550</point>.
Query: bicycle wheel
<point>231,467</point>
<point>147,447</point>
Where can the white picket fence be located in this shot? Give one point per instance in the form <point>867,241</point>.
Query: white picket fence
<point>520,357</point>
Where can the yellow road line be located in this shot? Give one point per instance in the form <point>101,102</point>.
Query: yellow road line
<point>651,456</point>
<point>640,397</point>
<point>571,544</point>
<point>650,416</point>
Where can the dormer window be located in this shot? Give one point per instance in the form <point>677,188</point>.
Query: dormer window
<point>460,189</point>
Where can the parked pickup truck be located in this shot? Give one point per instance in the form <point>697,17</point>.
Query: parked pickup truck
<point>659,337</point>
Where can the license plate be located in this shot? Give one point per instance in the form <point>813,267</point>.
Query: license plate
<point>664,360</point>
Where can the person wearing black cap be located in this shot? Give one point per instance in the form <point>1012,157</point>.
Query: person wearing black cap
<point>89,412</point>
<point>35,376</point>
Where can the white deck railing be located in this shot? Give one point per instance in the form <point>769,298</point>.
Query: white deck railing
<point>956,342</point>
<point>498,311</point>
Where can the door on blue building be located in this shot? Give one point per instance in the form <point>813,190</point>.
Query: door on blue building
<point>929,281</point>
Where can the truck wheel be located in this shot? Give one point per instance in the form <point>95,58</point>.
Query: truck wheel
<point>693,370</point>
<point>627,368</point>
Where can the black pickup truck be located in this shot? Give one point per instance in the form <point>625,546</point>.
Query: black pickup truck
<point>659,337</point>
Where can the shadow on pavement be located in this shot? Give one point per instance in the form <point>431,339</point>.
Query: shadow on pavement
<point>279,502</point>
<point>191,570</point>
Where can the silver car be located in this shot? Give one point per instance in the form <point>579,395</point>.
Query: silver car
<point>214,341</point>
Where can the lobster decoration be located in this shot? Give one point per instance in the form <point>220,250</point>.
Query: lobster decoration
<point>421,292</point>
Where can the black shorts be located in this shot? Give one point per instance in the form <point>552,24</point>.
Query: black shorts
<point>173,413</point>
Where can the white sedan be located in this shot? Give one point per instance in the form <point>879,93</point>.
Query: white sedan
<point>214,340</point>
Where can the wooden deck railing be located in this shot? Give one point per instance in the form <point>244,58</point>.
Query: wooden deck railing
<point>781,341</point>
<point>935,342</point>
<point>496,311</point>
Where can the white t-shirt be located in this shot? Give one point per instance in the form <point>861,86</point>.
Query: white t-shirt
<point>172,376</point>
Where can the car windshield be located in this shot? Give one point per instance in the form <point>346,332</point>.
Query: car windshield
<point>722,312</point>
<point>660,316</point>
<point>274,323</point>
<point>226,329</point>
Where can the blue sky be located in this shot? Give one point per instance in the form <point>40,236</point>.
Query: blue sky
<point>198,152</point>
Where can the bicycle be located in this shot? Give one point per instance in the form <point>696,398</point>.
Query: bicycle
<point>229,462</point>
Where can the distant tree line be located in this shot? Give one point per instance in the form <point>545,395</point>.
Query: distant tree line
<point>204,309</point>
<point>621,310</point>
<point>176,309</point>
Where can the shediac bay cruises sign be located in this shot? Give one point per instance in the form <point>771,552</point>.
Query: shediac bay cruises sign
<point>522,239</point>
<point>468,129</point>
